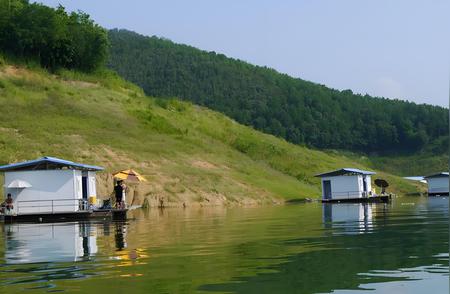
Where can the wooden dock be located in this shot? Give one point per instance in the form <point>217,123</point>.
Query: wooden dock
<point>113,214</point>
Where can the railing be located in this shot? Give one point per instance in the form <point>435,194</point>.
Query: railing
<point>52,206</point>
<point>349,195</point>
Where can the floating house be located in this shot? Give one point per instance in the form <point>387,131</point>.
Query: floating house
<point>438,184</point>
<point>346,184</point>
<point>50,185</point>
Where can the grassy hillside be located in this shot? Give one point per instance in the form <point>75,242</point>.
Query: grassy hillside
<point>188,153</point>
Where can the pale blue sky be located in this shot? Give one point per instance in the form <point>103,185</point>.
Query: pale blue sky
<point>391,48</point>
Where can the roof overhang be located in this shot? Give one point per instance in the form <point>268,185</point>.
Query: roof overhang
<point>345,172</point>
<point>438,175</point>
<point>48,163</point>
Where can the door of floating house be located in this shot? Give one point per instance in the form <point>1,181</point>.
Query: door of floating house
<point>84,185</point>
<point>327,189</point>
<point>345,183</point>
<point>55,185</point>
<point>364,184</point>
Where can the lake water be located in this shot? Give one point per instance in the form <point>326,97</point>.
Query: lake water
<point>400,247</point>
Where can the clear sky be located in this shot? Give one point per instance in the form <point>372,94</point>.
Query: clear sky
<point>391,48</point>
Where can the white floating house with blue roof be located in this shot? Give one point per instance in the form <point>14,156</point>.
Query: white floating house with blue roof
<point>346,184</point>
<point>438,184</point>
<point>49,185</point>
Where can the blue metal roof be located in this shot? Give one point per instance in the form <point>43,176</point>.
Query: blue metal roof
<point>345,171</point>
<point>438,175</point>
<point>57,162</point>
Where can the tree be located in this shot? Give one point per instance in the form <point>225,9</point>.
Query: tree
<point>51,36</point>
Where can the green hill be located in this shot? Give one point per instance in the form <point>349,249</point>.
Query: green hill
<point>302,112</point>
<point>189,154</point>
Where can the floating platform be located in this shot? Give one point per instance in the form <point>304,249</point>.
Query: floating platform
<point>373,199</point>
<point>438,194</point>
<point>115,214</point>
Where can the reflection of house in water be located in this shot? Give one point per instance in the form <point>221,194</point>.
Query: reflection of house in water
<point>350,217</point>
<point>437,204</point>
<point>30,243</point>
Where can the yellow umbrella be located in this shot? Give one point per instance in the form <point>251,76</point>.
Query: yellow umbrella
<point>129,175</point>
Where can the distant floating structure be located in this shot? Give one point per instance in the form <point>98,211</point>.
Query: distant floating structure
<point>349,185</point>
<point>416,178</point>
<point>438,184</point>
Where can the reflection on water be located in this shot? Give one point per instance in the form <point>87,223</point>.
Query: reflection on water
<point>310,248</point>
<point>32,243</point>
<point>435,205</point>
<point>58,242</point>
<point>121,242</point>
<point>358,215</point>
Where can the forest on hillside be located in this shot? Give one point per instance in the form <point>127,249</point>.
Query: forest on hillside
<point>52,37</point>
<point>302,112</point>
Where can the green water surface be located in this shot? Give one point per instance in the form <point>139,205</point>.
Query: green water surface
<point>400,247</point>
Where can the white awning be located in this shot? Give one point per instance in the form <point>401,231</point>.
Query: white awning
<point>19,184</point>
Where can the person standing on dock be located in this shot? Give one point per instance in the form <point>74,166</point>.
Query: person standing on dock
<point>7,205</point>
<point>119,192</point>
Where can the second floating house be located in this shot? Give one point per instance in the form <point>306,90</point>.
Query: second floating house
<point>349,185</point>
<point>437,184</point>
